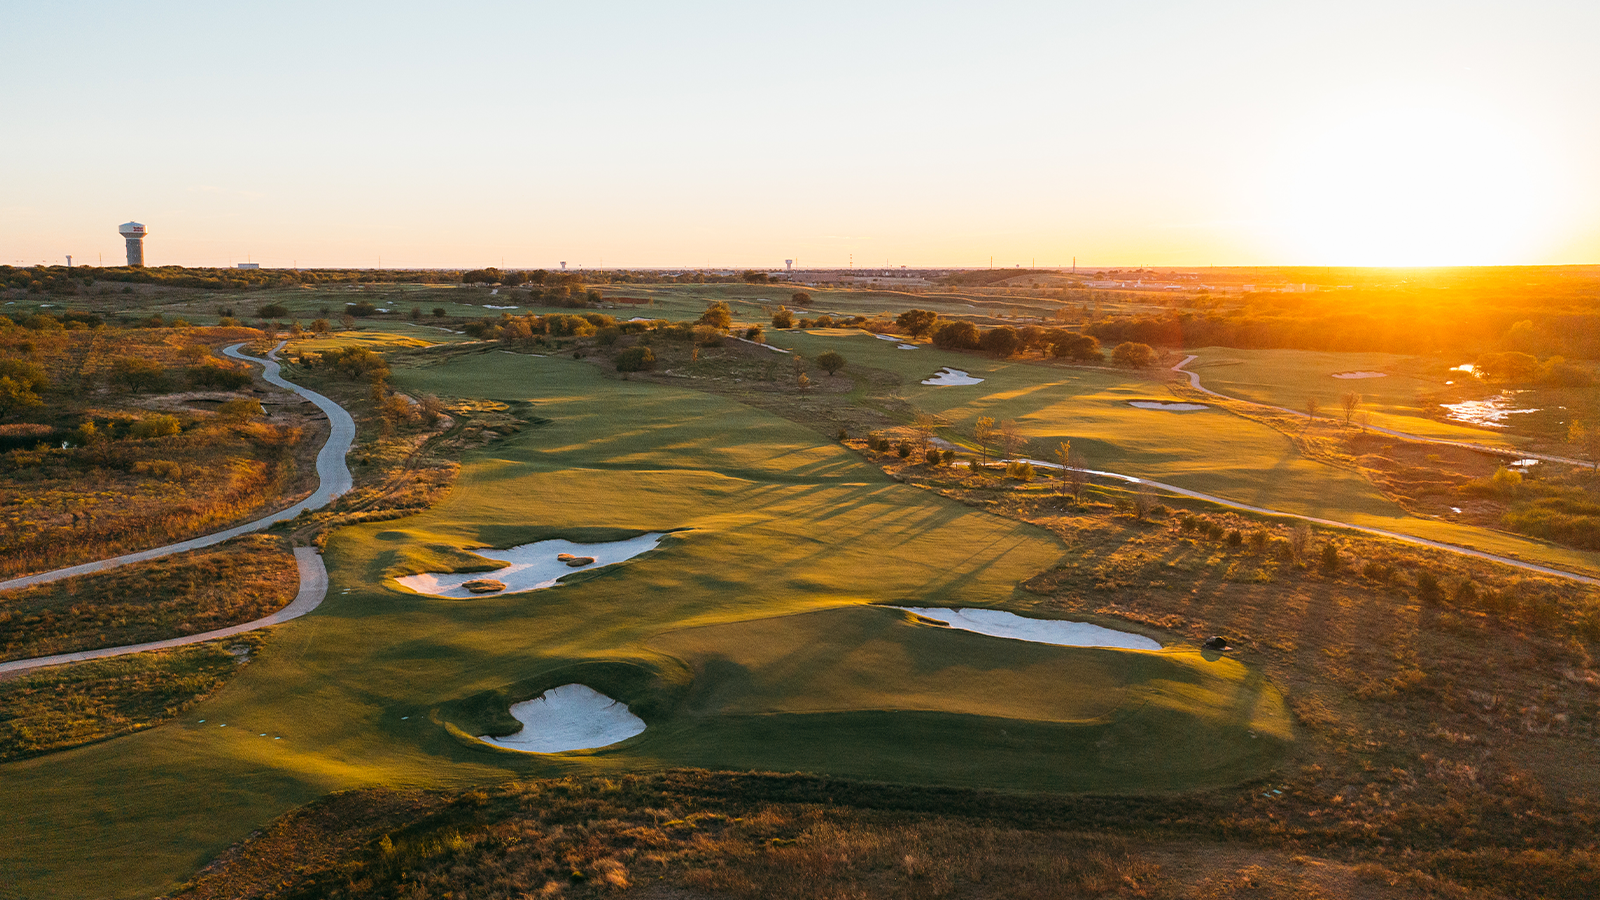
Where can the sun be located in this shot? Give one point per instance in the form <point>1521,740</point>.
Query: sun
<point>1415,184</point>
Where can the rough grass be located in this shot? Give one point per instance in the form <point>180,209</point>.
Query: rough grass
<point>688,835</point>
<point>52,709</point>
<point>239,581</point>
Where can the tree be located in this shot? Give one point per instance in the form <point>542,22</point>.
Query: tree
<point>321,326</point>
<point>15,394</point>
<point>984,433</point>
<point>1134,355</point>
<point>1002,341</point>
<point>917,322</point>
<point>830,362</point>
<point>241,410</point>
<point>925,426</point>
<point>1349,402</point>
<point>1587,439</point>
<point>783,318</point>
<point>1011,438</point>
<point>717,315</point>
<point>1075,346</point>
<point>956,336</point>
<point>1064,457</point>
<point>800,298</point>
<point>1313,408</point>
<point>138,375</point>
<point>363,308</point>
<point>273,311</point>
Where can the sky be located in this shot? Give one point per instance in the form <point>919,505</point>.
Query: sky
<point>739,134</point>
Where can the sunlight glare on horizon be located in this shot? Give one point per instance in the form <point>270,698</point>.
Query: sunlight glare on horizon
<point>1414,181</point>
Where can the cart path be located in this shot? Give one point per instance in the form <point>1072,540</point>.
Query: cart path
<point>313,589</point>
<point>1194,382</point>
<point>333,477</point>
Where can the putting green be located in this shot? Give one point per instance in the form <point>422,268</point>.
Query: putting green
<point>776,523</point>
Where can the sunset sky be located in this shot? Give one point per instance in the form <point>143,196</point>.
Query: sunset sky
<point>739,134</point>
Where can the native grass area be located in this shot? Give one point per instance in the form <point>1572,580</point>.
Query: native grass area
<point>1394,720</point>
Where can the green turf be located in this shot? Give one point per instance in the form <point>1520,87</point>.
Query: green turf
<point>380,686</point>
<point>1288,378</point>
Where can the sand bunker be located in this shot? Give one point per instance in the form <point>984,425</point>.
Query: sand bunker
<point>947,377</point>
<point>906,347</point>
<point>1170,407</point>
<point>569,717</point>
<point>886,337</point>
<point>1361,375</point>
<point>487,306</point>
<point>998,623</point>
<point>533,566</point>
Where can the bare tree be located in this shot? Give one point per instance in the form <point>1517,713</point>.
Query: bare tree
<point>1078,477</point>
<point>1011,438</point>
<point>1144,501</point>
<point>1365,418</point>
<point>1587,439</point>
<point>1349,402</point>
<point>983,432</point>
<point>1064,456</point>
<point>1313,407</point>
<point>925,426</point>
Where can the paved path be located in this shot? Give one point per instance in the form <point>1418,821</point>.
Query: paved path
<point>333,477</point>
<point>1194,382</point>
<point>313,588</point>
<point>332,474</point>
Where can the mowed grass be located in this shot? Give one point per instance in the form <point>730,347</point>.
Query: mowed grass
<point>1287,378</point>
<point>379,686</point>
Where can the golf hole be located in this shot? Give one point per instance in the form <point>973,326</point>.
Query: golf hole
<point>998,623</point>
<point>569,717</point>
<point>947,377</point>
<point>1169,407</point>
<point>531,567</point>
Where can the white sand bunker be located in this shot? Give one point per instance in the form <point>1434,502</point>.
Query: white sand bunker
<point>998,623</point>
<point>1361,374</point>
<point>948,376</point>
<point>569,717</point>
<point>1170,407</point>
<point>906,347</point>
<point>533,566</point>
<point>886,337</point>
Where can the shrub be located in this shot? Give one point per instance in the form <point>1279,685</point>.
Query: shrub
<point>1330,558</point>
<point>636,359</point>
<point>321,326</point>
<point>934,457</point>
<point>241,409</point>
<point>1374,571</point>
<point>707,336</point>
<point>843,435</point>
<point>273,311</point>
<point>800,298</point>
<point>783,318</point>
<point>214,378</point>
<point>904,450</point>
<point>438,312</point>
<point>830,361</point>
<point>1214,531</point>
<point>1020,470</point>
<point>1466,593</point>
<point>753,333</point>
<point>138,375</point>
<point>361,308</point>
<point>608,336</point>
<point>154,427</point>
<point>949,457</point>
<point>1188,523</point>
<point>1258,540</point>
<point>1300,540</point>
<point>1235,539</point>
<point>717,316</point>
<point>1428,588</point>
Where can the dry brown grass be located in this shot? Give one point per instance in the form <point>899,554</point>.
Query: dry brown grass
<point>231,583</point>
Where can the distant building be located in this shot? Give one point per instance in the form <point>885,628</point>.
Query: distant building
<point>247,265</point>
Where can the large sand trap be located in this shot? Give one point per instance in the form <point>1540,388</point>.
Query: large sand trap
<point>1361,374</point>
<point>998,623</point>
<point>886,337</point>
<point>948,377</point>
<point>1170,407</point>
<point>532,566</point>
<point>569,717</point>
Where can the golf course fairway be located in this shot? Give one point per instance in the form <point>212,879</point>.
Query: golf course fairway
<point>753,637</point>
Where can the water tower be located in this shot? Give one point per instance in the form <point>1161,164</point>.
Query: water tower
<point>133,233</point>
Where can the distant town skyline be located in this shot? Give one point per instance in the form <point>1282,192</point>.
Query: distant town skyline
<point>709,134</point>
